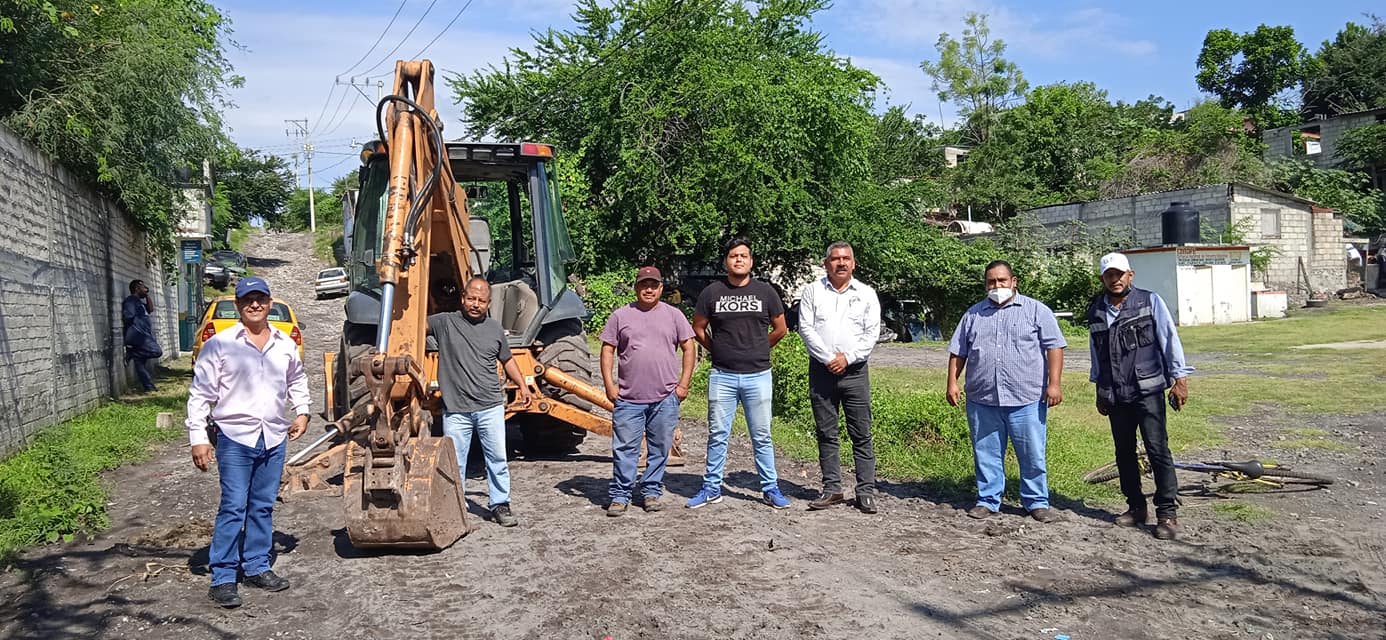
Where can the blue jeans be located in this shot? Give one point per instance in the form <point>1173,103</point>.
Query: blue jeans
<point>489,425</point>
<point>243,534</point>
<point>1024,426</point>
<point>633,422</point>
<point>753,391</point>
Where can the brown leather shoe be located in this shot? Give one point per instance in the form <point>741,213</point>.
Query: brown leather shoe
<point>653,504</point>
<point>1133,518</point>
<point>1167,529</point>
<point>979,512</point>
<point>826,500</point>
<point>1043,514</point>
<point>617,509</point>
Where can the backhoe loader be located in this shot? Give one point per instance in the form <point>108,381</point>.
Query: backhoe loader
<point>413,244</point>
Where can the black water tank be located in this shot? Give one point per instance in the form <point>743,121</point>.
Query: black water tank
<point>1179,224</point>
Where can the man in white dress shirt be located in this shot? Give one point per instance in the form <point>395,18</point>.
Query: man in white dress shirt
<point>243,379</point>
<point>840,320</point>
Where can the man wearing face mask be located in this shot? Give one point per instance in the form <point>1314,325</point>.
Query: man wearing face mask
<point>1136,355</point>
<point>1013,352</point>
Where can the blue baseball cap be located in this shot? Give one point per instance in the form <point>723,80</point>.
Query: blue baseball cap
<point>250,285</point>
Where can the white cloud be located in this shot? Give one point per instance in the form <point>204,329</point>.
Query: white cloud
<point>906,85</point>
<point>917,23</point>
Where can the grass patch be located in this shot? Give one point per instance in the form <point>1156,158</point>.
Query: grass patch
<point>1313,443</point>
<point>237,237</point>
<point>328,243</point>
<point>1243,512</point>
<point>52,490</point>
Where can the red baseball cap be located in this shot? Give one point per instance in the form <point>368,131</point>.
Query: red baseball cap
<point>648,273</point>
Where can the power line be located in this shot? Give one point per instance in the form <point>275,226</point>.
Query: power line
<point>340,101</point>
<point>378,39</point>
<point>419,55</point>
<point>404,39</point>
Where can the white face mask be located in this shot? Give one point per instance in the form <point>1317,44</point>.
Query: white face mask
<point>1000,295</point>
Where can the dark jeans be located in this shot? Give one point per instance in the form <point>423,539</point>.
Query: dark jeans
<point>1147,414</point>
<point>852,391</point>
<point>144,371</point>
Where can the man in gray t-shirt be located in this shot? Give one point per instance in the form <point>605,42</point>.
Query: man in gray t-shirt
<point>469,346</point>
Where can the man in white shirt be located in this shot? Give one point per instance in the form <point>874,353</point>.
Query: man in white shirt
<point>840,320</point>
<point>244,377</point>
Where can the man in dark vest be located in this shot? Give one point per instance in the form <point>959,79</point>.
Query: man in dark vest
<point>1136,356</point>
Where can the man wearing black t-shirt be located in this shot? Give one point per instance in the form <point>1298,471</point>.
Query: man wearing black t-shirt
<point>731,321</point>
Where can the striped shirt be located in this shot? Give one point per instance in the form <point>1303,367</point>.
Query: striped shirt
<point>1005,348</point>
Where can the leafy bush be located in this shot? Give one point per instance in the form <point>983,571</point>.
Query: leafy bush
<point>790,361</point>
<point>52,490</point>
<point>604,293</point>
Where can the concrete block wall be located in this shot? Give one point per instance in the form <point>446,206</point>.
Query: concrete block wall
<point>1328,269</point>
<point>1294,241</point>
<point>1140,213</point>
<point>66,258</point>
<point>1280,142</point>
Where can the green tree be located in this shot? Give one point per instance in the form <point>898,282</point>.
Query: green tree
<point>1349,73</point>
<point>1364,150</point>
<point>1207,145</point>
<point>690,120</point>
<point>906,148</point>
<point>973,75</point>
<point>254,185</point>
<point>1347,192</point>
<point>1059,146</point>
<point>295,215</point>
<point>123,93</point>
<point>1249,71</point>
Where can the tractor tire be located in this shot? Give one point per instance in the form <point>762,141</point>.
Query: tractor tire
<point>357,340</point>
<point>565,349</point>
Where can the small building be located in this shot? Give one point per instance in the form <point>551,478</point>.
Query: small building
<point>1201,284</point>
<point>1318,138</point>
<point>954,155</point>
<point>1307,239</point>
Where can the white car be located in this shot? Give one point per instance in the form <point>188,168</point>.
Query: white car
<point>331,281</point>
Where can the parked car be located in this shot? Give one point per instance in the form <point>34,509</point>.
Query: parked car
<point>221,314</point>
<point>223,267</point>
<point>330,281</point>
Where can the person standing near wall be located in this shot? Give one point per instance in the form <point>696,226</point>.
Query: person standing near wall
<point>138,333</point>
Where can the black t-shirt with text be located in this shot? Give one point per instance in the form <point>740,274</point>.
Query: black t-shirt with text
<point>739,319</point>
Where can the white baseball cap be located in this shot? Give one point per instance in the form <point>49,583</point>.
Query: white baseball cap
<point>1114,261</point>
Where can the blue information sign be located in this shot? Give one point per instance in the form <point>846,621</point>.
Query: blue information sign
<point>192,251</point>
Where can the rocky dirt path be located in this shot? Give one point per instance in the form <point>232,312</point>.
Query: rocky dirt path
<point>918,569</point>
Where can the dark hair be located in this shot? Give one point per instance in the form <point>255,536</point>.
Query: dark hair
<point>998,263</point>
<point>134,284</point>
<point>738,241</point>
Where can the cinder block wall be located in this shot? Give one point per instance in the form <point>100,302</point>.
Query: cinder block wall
<point>1141,212</point>
<point>66,258</point>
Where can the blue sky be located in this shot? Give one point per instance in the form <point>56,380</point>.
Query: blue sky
<point>291,52</point>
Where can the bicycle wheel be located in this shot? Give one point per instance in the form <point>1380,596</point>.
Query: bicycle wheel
<point>1102,474</point>
<point>1286,475</point>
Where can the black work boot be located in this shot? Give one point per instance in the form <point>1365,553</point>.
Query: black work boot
<point>267,581</point>
<point>225,595</point>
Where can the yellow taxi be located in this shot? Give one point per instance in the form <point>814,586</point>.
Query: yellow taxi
<point>221,313</point>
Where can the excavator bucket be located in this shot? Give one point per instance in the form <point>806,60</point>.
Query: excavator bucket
<point>412,500</point>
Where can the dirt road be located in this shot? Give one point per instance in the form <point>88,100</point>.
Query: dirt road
<point>919,569</point>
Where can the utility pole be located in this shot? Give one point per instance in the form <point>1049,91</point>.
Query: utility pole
<point>366,83</point>
<point>301,130</point>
